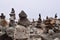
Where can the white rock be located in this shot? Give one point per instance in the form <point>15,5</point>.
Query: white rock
<point>20,32</point>
<point>56,39</point>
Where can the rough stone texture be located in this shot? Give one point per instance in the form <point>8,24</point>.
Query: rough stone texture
<point>5,37</point>
<point>37,30</point>
<point>23,20</point>
<point>3,21</point>
<point>2,16</point>
<point>12,18</point>
<point>22,14</point>
<point>20,32</point>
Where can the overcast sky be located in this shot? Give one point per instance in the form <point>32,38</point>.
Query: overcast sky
<point>31,7</point>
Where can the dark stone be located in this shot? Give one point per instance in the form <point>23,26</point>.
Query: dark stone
<point>22,14</point>
<point>12,23</point>
<point>2,16</point>
<point>23,19</point>
<point>55,15</point>
<point>39,19</point>
<point>5,37</point>
<point>12,11</point>
<point>47,17</point>
<point>33,21</point>
<point>39,22</point>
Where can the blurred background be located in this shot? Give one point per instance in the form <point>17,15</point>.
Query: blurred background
<point>31,7</point>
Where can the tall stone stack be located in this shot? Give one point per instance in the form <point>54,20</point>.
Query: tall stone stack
<point>23,20</point>
<point>12,18</point>
<point>39,22</point>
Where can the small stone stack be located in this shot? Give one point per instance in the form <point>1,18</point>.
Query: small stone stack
<point>56,15</point>
<point>2,20</point>
<point>39,19</point>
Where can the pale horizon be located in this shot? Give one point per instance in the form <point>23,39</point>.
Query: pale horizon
<point>31,7</point>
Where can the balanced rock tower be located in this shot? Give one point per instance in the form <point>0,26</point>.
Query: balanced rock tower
<point>12,18</point>
<point>23,20</point>
<point>3,21</point>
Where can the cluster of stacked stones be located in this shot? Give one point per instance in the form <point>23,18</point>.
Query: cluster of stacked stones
<point>23,29</point>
